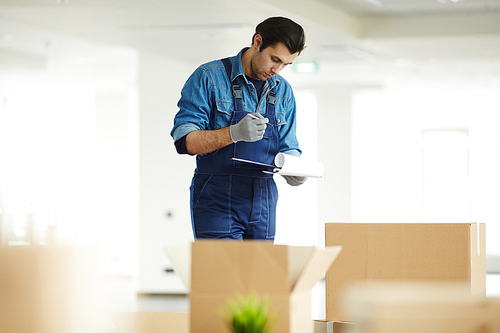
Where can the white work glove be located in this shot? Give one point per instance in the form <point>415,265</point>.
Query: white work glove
<point>250,128</point>
<point>295,180</point>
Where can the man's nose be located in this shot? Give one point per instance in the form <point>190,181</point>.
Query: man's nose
<point>277,69</point>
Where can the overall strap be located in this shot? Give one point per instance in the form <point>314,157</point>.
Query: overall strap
<point>271,99</point>
<point>228,66</point>
<point>236,89</point>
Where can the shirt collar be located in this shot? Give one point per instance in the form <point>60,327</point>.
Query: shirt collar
<point>238,70</point>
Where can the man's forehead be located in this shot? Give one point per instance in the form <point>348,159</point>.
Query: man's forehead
<point>281,51</point>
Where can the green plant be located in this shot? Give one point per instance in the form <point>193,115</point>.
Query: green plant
<point>249,315</point>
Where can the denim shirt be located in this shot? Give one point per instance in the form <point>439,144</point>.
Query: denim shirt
<point>207,103</point>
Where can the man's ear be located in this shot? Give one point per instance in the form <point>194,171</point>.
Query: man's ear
<point>257,41</point>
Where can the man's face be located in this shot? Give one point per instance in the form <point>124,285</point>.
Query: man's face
<point>270,61</point>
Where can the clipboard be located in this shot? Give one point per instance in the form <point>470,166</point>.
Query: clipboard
<point>289,165</point>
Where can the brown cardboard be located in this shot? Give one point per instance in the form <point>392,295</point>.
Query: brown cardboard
<point>220,270</point>
<point>322,326</point>
<point>404,251</point>
<point>416,308</point>
<point>45,289</point>
<point>151,322</point>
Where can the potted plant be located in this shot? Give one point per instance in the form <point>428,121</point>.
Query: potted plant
<point>249,315</point>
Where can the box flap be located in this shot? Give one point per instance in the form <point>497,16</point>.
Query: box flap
<point>298,256</point>
<point>180,256</point>
<point>228,266</point>
<point>318,263</point>
<point>151,322</point>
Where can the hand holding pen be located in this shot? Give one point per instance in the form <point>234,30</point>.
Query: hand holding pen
<point>251,128</point>
<point>253,115</point>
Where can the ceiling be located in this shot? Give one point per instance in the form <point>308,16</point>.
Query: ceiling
<point>405,7</point>
<point>348,35</point>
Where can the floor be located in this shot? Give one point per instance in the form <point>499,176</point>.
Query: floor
<point>121,297</point>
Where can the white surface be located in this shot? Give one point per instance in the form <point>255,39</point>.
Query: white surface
<point>296,166</point>
<point>493,285</point>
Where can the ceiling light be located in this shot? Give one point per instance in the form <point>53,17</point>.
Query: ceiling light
<point>377,3</point>
<point>305,67</point>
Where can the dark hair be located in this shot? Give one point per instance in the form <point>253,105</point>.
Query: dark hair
<point>281,29</point>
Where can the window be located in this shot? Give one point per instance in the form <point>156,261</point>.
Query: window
<point>445,174</point>
<point>428,155</point>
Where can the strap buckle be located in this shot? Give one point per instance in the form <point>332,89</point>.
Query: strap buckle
<point>271,97</point>
<point>237,92</point>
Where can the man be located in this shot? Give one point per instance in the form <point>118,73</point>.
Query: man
<point>240,107</point>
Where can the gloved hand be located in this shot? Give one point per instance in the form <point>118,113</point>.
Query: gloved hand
<point>295,180</point>
<point>250,128</point>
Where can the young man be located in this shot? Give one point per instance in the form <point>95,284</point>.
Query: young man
<point>240,107</point>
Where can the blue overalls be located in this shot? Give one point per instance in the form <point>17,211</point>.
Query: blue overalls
<point>230,199</point>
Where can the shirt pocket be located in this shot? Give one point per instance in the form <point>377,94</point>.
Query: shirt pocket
<point>223,113</point>
<point>280,119</point>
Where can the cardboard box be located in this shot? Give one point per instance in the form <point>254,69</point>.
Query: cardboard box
<point>220,270</point>
<point>322,326</point>
<point>46,289</point>
<point>151,322</point>
<point>417,308</point>
<point>404,251</point>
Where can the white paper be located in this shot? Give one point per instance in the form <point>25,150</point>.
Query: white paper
<point>289,165</point>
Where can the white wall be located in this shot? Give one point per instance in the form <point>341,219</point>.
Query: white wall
<point>116,180</point>
<point>164,176</point>
<point>334,151</point>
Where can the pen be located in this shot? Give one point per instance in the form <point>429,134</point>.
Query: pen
<point>255,117</point>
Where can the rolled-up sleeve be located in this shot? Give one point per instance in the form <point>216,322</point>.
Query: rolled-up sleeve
<point>288,132</point>
<point>194,105</point>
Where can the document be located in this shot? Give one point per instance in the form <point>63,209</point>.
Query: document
<point>289,165</point>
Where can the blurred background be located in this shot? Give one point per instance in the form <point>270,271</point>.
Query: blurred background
<point>398,99</point>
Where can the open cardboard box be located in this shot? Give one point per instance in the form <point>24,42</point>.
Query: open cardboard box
<point>217,271</point>
<point>425,252</point>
